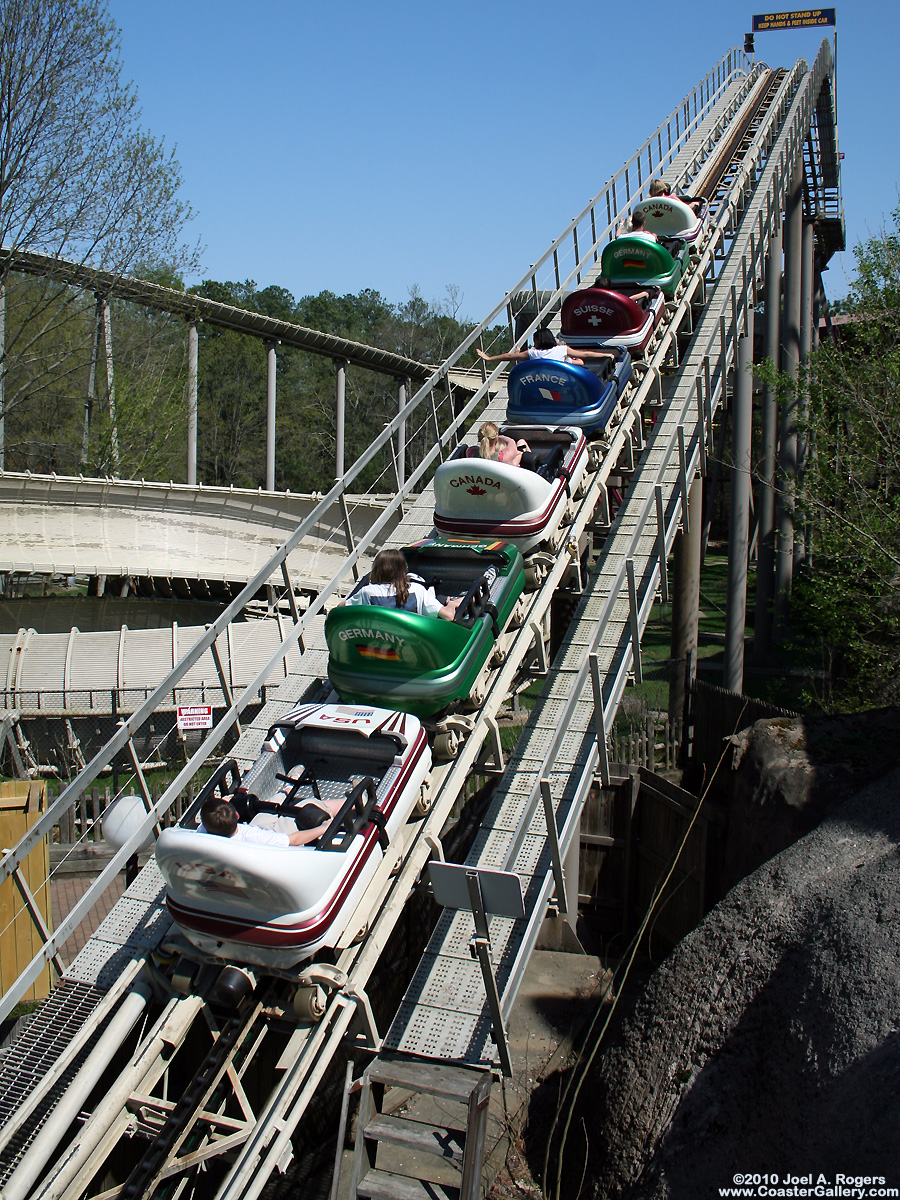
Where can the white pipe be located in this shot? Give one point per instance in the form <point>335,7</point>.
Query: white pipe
<point>2,376</point>
<point>75,1096</point>
<point>72,1050</point>
<point>193,355</point>
<point>111,388</point>
<point>340,405</point>
<point>170,1030</point>
<point>401,435</point>
<point>271,378</point>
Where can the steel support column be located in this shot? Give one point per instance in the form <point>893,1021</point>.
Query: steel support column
<point>110,388</point>
<point>340,400</point>
<point>790,365</point>
<point>820,308</point>
<point>807,283</point>
<point>807,297</point>
<point>739,528</point>
<point>271,371</point>
<point>571,873</point>
<point>685,602</point>
<point>2,376</point>
<point>765,554</point>
<point>91,386</point>
<point>401,435</point>
<point>193,351</point>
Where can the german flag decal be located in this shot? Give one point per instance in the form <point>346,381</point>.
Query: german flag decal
<point>636,264</point>
<point>382,653</point>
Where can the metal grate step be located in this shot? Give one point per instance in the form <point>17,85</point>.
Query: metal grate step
<point>413,1142</point>
<point>46,1035</point>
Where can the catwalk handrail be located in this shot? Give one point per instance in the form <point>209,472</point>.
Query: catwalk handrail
<point>715,83</point>
<point>609,193</point>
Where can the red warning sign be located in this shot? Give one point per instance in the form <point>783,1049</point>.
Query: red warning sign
<point>195,716</point>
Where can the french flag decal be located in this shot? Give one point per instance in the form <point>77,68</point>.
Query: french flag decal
<point>546,394</point>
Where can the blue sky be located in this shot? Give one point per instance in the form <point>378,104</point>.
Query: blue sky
<point>346,145</point>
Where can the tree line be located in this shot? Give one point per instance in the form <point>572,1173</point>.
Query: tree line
<point>138,425</point>
<point>845,603</point>
<point>231,389</point>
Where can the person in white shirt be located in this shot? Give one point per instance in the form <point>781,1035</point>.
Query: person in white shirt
<point>391,586</point>
<point>638,228</point>
<point>546,346</point>
<point>219,816</point>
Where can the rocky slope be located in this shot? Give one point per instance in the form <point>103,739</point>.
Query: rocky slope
<point>769,1041</point>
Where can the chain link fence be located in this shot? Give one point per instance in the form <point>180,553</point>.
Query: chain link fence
<point>56,734</point>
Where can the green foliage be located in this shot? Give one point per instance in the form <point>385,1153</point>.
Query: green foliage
<point>232,384</point>
<point>876,288</point>
<point>42,379</point>
<point>150,368</point>
<point>847,601</point>
<point>47,388</point>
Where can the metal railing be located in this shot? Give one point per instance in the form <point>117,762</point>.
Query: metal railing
<point>577,248</point>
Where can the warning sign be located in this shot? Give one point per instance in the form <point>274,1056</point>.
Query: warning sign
<point>195,716</point>
<point>801,19</point>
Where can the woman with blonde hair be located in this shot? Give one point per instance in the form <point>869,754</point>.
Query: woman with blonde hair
<point>497,446</point>
<point>659,187</point>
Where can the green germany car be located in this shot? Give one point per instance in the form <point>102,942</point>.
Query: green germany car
<point>635,258</point>
<point>422,664</point>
